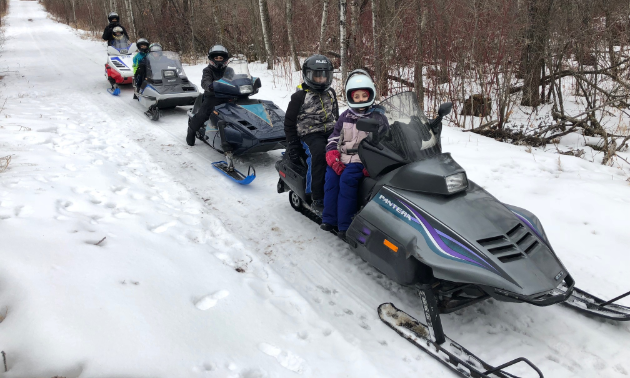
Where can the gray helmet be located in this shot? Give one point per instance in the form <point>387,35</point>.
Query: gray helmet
<point>118,32</point>
<point>155,47</point>
<point>113,15</point>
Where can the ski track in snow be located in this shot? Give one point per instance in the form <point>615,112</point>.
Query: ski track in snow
<point>123,225</point>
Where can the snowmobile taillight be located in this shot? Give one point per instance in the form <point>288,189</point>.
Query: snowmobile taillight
<point>390,245</point>
<point>456,182</point>
<point>282,174</point>
<point>246,89</point>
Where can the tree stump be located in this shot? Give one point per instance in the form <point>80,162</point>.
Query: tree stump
<point>477,105</point>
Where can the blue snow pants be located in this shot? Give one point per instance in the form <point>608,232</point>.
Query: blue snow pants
<point>340,195</point>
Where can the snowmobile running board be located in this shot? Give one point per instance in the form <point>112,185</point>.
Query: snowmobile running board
<point>448,352</point>
<point>235,175</point>
<point>114,91</point>
<point>590,304</point>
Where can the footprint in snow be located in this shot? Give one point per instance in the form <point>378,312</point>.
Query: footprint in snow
<point>210,301</point>
<point>287,359</point>
<point>163,227</point>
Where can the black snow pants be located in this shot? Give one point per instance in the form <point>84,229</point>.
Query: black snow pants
<point>196,122</point>
<point>315,146</point>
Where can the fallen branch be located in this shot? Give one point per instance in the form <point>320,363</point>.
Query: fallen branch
<point>101,240</point>
<point>4,163</point>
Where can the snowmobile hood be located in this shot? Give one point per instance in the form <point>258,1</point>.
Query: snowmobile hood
<point>258,118</point>
<point>474,238</point>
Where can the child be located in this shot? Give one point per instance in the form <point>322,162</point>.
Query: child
<point>218,56</point>
<point>138,78</point>
<point>345,169</point>
<point>308,122</point>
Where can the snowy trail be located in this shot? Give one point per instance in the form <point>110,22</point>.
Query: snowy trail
<point>161,295</point>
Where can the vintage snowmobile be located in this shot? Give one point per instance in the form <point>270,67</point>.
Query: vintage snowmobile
<point>118,68</point>
<point>166,85</point>
<point>424,224</point>
<point>246,125</point>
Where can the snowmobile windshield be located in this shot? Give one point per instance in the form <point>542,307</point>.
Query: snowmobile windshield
<point>409,134</point>
<point>237,69</point>
<point>164,65</point>
<point>122,45</point>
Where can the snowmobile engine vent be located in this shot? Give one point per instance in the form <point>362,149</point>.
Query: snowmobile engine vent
<point>515,230</point>
<point>500,247</point>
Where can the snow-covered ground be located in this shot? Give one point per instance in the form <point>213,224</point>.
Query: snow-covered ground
<point>124,253</point>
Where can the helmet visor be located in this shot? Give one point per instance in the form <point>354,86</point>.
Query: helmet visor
<point>320,78</point>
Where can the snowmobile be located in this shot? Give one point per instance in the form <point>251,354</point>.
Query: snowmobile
<point>118,68</point>
<point>243,124</point>
<point>166,85</point>
<point>424,224</point>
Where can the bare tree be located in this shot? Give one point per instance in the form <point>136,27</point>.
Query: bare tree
<point>322,33</point>
<point>538,12</point>
<point>266,29</point>
<point>343,41</point>
<point>289,20</point>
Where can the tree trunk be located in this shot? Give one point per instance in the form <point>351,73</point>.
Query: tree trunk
<point>289,19</point>
<point>322,33</point>
<point>266,29</point>
<point>355,39</point>
<point>133,20</point>
<point>610,35</point>
<point>343,41</point>
<point>217,19</point>
<point>376,58</point>
<point>419,65</point>
<point>533,56</point>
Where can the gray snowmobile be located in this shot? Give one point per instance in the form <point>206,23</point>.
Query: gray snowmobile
<point>166,85</point>
<point>422,223</point>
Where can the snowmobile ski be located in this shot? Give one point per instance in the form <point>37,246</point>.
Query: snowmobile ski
<point>114,91</point>
<point>153,113</point>
<point>590,304</point>
<point>450,353</point>
<point>227,168</point>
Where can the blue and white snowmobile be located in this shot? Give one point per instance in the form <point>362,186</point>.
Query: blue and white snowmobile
<point>166,85</point>
<point>247,125</point>
<point>118,68</point>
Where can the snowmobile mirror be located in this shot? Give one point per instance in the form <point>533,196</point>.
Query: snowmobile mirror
<point>257,84</point>
<point>445,109</point>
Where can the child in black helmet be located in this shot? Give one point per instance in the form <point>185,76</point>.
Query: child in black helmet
<point>139,67</point>
<point>108,34</point>
<point>309,120</point>
<point>218,56</point>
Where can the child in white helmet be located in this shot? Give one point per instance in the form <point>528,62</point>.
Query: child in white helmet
<point>345,168</point>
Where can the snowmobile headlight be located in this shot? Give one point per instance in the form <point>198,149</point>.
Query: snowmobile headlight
<point>170,74</point>
<point>456,182</point>
<point>246,89</point>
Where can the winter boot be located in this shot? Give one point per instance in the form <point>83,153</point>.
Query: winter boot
<point>317,206</point>
<point>326,227</point>
<point>342,235</point>
<point>190,137</point>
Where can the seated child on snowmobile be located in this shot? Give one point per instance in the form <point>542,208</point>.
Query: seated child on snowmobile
<point>309,121</point>
<point>114,30</point>
<point>218,56</point>
<point>143,50</point>
<point>345,168</point>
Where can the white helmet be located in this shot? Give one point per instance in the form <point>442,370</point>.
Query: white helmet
<point>360,79</point>
<point>117,32</point>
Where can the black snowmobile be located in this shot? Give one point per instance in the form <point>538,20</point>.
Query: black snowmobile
<point>422,223</point>
<point>247,125</point>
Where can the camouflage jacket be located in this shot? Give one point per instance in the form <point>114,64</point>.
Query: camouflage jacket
<point>309,112</point>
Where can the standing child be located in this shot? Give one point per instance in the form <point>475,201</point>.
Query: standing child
<point>345,169</point>
<point>138,77</point>
<point>308,122</point>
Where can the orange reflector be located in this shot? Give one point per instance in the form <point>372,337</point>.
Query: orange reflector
<point>282,174</point>
<point>389,245</point>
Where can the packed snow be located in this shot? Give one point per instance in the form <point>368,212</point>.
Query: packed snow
<point>124,253</point>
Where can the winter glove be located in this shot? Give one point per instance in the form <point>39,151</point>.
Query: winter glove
<point>366,173</point>
<point>293,150</point>
<point>333,160</point>
<point>332,156</point>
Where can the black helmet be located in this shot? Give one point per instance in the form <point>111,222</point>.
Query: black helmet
<point>113,15</point>
<point>317,72</point>
<point>142,42</point>
<point>218,50</point>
